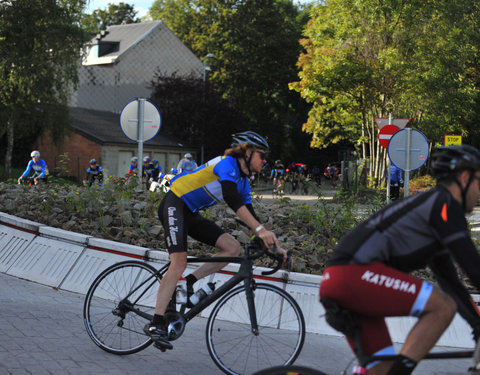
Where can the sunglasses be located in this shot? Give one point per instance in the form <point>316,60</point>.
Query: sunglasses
<point>263,155</point>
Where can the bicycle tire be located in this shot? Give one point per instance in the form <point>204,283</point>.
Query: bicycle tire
<point>231,343</point>
<point>289,370</point>
<point>109,331</point>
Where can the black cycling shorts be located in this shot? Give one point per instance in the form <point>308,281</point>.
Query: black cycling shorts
<point>178,222</point>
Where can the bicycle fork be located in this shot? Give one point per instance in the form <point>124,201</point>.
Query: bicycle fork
<point>249,292</point>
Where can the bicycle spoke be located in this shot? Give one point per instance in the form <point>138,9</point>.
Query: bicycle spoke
<point>108,317</point>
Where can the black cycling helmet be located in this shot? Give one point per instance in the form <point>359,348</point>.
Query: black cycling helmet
<point>93,161</point>
<point>252,138</point>
<point>447,161</point>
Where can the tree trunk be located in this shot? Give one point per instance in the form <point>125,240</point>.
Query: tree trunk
<point>8,156</point>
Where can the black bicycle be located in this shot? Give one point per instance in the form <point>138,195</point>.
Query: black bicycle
<point>252,326</point>
<point>344,321</point>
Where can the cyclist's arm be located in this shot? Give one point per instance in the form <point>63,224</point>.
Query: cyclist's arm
<point>27,171</point>
<point>252,211</point>
<point>447,277</point>
<point>235,202</point>
<point>449,223</point>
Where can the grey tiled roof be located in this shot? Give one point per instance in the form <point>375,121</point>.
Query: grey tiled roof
<point>104,128</point>
<point>127,35</point>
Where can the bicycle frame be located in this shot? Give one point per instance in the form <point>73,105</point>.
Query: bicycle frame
<point>364,360</point>
<point>244,274</point>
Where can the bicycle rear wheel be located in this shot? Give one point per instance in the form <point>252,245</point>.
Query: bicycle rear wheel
<point>107,311</point>
<point>289,370</point>
<point>231,343</point>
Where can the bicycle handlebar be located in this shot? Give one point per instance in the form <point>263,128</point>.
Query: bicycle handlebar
<point>259,250</point>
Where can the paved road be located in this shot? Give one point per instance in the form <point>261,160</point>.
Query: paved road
<point>42,332</point>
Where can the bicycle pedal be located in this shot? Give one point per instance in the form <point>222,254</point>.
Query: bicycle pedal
<point>161,347</point>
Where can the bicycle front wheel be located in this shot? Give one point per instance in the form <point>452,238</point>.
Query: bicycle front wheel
<point>115,303</point>
<point>233,346</point>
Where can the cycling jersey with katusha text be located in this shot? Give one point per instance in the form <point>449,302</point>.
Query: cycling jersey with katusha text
<point>423,229</point>
<point>201,188</point>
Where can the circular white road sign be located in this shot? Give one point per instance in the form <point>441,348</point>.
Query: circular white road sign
<point>408,149</point>
<point>152,120</point>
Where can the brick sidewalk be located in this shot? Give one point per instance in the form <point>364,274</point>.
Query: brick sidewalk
<point>42,332</point>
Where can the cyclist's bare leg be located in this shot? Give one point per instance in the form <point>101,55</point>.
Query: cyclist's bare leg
<point>228,246</point>
<point>169,281</point>
<point>438,313</point>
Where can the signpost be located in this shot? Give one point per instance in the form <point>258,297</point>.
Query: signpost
<point>408,149</point>
<point>140,121</point>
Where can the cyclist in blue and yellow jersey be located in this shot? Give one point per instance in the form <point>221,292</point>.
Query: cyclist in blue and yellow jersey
<point>94,173</point>
<point>222,179</point>
<point>39,167</point>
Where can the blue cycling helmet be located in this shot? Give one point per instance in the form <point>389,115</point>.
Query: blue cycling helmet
<point>174,171</point>
<point>250,137</point>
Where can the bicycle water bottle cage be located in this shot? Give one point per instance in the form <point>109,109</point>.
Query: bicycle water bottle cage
<point>340,318</point>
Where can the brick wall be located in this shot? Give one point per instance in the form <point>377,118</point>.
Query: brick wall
<point>80,150</point>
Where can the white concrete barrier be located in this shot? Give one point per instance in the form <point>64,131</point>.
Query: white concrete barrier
<point>71,261</point>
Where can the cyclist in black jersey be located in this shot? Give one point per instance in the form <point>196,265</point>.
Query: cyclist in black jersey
<point>368,272</point>
<point>94,173</point>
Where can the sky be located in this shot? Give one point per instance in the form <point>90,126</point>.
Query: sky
<point>141,6</point>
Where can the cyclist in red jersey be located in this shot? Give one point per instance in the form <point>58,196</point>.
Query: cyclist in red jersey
<point>368,272</point>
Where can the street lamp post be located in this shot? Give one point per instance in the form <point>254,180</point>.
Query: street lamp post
<point>205,68</point>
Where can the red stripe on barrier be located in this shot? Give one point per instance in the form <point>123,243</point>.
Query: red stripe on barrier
<point>19,228</point>
<point>117,252</point>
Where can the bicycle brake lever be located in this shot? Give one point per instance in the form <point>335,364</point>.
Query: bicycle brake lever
<point>289,261</point>
<point>278,259</point>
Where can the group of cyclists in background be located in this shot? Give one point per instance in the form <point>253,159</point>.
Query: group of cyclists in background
<point>151,170</point>
<point>296,178</point>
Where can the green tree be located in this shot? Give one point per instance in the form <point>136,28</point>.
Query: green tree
<point>101,19</point>
<point>365,59</point>
<point>40,45</point>
<point>255,44</point>
<point>207,113</point>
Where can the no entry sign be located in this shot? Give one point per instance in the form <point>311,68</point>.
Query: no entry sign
<point>386,133</point>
